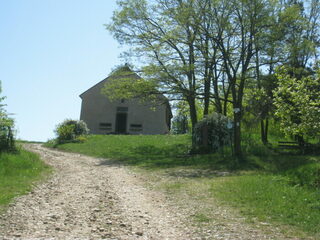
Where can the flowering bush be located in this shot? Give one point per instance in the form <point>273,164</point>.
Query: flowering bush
<point>298,104</point>
<point>212,133</point>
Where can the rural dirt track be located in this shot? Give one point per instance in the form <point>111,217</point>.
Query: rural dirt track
<point>86,199</point>
<point>90,198</point>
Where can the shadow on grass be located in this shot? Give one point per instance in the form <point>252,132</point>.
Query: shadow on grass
<point>282,162</point>
<point>199,173</point>
<point>171,154</point>
<point>151,157</point>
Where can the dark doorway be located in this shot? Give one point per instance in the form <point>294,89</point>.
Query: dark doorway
<point>121,123</point>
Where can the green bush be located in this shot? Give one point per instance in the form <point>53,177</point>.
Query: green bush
<point>212,133</point>
<point>70,130</point>
<point>306,175</point>
<point>6,126</point>
<point>66,132</point>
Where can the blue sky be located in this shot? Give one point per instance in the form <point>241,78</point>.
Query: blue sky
<point>50,52</point>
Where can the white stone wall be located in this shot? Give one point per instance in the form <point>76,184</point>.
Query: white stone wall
<point>96,109</point>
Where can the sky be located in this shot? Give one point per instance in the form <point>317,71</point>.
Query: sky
<point>50,52</point>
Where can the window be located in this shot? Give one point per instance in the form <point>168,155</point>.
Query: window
<point>105,126</point>
<point>135,127</point>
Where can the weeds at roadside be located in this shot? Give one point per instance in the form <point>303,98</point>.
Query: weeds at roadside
<point>18,172</point>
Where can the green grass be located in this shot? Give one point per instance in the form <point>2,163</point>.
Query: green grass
<point>18,171</point>
<point>146,151</point>
<point>201,218</point>
<point>271,186</point>
<point>271,198</point>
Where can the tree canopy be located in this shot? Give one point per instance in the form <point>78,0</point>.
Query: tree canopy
<point>216,52</point>
<point>297,104</point>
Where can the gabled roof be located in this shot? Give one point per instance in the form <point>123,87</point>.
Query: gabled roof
<point>118,73</point>
<point>121,72</point>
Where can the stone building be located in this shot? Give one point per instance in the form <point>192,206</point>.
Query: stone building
<point>104,116</point>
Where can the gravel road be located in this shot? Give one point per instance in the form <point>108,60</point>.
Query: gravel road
<point>91,198</point>
<point>88,198</point>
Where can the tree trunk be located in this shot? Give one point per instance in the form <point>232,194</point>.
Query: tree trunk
<point>263,132</point>
<point>264,127</point>
<point>217,97</point>
<point>193,112</point>
<point>266,130</point>
<point>237,135</point>
<point>206,96</point>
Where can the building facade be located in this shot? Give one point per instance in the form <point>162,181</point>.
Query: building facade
<point>104,116</point>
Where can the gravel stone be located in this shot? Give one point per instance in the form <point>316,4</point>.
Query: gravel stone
<point>91,198</point>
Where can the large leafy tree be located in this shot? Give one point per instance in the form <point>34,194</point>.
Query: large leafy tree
<point>164,34</point>
<point>238,25</point>
<point>293,40</point>
<point>191,45</point>
<point>207,50</point>
<point>298,104</point>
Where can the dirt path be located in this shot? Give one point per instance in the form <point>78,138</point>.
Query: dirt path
<point>90,198</point>
<point>87,200</point>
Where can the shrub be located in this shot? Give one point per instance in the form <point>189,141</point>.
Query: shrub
<point>297,104</point>
<point>66,132</point>
<point>6,126</point>
<point>306,175</point>
<point>212,133</point>
<point>6,138</point>
<point>81,139</point>
<point>69,130</point>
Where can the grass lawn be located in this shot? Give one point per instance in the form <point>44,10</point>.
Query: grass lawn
<point>271,198</point>
<point>18,171</point>
<point>271,187</point>
<point>146,151</point>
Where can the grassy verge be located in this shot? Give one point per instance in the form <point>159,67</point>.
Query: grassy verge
<point>270,198</point>
<point>18,171</point>
<point>273,187</point>
<point>151,152</point>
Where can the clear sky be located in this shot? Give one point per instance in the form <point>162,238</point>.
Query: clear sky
<point>50,52</point>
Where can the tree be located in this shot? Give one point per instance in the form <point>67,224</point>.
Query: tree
<point>191,45</point>
<point>259,103</point>
<point>126,84</point>
<point>6,126</point>
<point>298,104</point>
<point>164,33</point>
<point>292,39</point>
<point>300,24</point>
<point>237,25</point>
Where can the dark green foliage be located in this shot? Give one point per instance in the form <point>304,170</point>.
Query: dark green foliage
<point>69,130</point>
<point>6,138</point>
<point>180,124</point>
<point>6,126</point>
<point>306,175</point>
<point>212,133</point>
